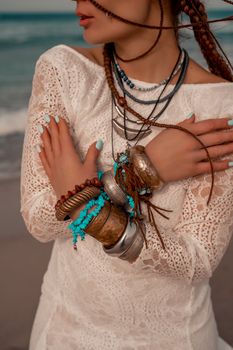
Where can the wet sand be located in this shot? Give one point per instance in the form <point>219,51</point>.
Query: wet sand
<point>23,261</point>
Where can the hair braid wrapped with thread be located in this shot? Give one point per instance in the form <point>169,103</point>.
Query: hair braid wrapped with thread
<point>206,40</point>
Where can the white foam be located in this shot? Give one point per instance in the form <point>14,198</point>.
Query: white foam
<point>12,121</point>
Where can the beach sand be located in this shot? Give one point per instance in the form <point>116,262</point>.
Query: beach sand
<point>23,261</point>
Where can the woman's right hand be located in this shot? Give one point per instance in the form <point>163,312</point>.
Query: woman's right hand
<point>176,155</point>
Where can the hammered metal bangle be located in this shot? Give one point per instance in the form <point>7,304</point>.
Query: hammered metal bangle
<point>97,223</point>
<point>114,227</point>
<point>113,190</point>
<point>145,168</point>
<point>89,192</point>
<point>129,245</point>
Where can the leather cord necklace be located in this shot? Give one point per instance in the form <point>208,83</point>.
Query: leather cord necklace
<point>137,132</point>
<point>123,103</point>
<point>160,100</point>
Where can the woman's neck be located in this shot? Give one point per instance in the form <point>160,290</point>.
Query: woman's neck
<point>157,64</point>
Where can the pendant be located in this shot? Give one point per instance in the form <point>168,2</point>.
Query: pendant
<point>119,128</point>
<point>121,114</point>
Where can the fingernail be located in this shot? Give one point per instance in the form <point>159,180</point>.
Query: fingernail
<point>230,164</point>
<point>37,148</point>
<point>99,144</point>
<point>40,128</point>
<point>56,119</point>
<point>190,115</point>
<point>230,122</point>
<point>47,118</point>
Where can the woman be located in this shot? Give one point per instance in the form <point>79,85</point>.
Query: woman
<point>89,299</point>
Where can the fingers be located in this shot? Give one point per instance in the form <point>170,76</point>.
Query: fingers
<point>46,141</point>
<point>190,119</point>
<point>205,167</point>
<point>93,152</point>
<point>56,137</point>
<point>54,133</point>
<point>43,159</point>
<point>217,138</point>
<point>215,151</point>
<point>65,136</point>
<point>208,125</point>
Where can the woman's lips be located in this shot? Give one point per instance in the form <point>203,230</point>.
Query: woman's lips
<point>84,20</point>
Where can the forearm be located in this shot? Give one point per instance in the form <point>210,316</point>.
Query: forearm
<point>75,213</point>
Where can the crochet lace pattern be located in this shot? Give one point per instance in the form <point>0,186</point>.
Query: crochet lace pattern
<point>93,301</point>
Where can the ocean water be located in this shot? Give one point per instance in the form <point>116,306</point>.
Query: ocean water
<point>23,38</point>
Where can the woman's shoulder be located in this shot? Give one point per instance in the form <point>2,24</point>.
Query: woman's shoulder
<point>197,74</point>
<point>208,94</point>
<point>68,56</point>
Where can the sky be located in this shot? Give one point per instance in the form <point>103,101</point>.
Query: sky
<point>64,5</point>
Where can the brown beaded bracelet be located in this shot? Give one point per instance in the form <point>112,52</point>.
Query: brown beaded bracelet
<point>74,202</point>
<point>93,182</point>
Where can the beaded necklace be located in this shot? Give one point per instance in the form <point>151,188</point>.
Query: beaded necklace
<point>134,86</point>
<point>160,99</point>
<point>138,134</point>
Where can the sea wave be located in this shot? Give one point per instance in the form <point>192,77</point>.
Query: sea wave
<point>12,121</point>
<point>11,147</point>
<point>36,34</point>
<point>35,28</point>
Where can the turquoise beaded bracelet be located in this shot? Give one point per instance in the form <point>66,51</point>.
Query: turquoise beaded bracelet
<point>78,225</point>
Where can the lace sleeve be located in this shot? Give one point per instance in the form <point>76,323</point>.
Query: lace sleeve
<point>195,246</point>
<point>37,195</point>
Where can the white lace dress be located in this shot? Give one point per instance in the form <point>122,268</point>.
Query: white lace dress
<point>91,301</point>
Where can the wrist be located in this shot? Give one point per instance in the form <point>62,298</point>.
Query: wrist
<point>150,153</point>
<point>75,213</point>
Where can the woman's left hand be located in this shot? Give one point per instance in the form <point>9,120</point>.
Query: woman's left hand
<point>60,159</point>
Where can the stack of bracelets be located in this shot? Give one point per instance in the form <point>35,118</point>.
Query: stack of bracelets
<point>112,214</point>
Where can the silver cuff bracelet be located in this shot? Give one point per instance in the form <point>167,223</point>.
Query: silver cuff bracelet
<point>129,245</point>
<point>113,190</point>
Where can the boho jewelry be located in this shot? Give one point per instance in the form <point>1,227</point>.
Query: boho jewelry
<point>121,129</point>
<point>141,133</point>
<point>134,86</point>
<point>113,190</point>
<point>99,221</point>
<point>128,179</point>
<point>114,227</point>
<point>129,245</point>
<point>89,182</point>
<point>161,99</point>
<point>144,168</point>
<point>72,203</point>
<point>81,222</point>
<point>193,10</point>
<point>123,103</point>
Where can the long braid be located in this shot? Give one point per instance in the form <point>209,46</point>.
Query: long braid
<point>205,38</point>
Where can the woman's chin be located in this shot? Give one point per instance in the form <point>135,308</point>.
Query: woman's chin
<point>92,39</point>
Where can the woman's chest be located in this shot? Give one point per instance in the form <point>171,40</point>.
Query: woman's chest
<point>95,121</point>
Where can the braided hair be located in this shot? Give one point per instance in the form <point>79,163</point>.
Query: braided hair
<point>218,63</point>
